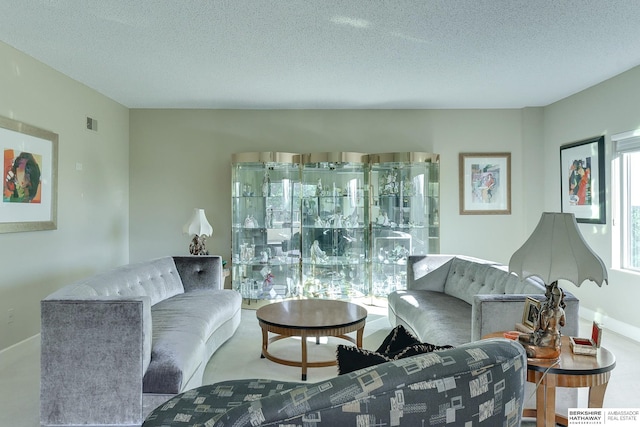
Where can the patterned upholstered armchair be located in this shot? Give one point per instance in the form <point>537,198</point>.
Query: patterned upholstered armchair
<point>475,382</point>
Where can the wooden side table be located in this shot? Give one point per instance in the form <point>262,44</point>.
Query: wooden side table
<point>570,370</point>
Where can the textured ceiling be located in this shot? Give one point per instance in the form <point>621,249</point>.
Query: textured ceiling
<point>329,54</point>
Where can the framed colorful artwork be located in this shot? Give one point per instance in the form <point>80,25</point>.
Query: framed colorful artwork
<point>29,189</point>
<point>582,180</point>
<point>485,183</point>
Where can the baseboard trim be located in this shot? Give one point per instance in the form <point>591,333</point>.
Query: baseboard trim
<point>621,328</point>
<point>6,352</point>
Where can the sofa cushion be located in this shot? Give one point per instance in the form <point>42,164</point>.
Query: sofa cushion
<point>470,277</point>
<point>182,325</point>
<point>398,344</point>
<point>198,272</point>
<point>428,273</point>
<point>397,340</point>
<point>420,348</point>
<point>158,279</point>
<point>351,358</point>
<point>432,317</point>
<point>204,405</point>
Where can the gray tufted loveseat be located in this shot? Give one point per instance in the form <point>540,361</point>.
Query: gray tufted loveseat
<point>115,345</point>
<point>456,299</point>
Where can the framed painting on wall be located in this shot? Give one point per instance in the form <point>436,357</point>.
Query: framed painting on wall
<point>29,189</point>
<point>582,180</point>
<point>485,183</point>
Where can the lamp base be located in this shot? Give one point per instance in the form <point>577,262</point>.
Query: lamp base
<point>197,246</point>
<point>544,341</point>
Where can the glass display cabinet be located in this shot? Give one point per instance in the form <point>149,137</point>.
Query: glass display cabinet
<point>404,196</point>
<point>331,225</point>
<point>335,224</point>
<point>265,225</point>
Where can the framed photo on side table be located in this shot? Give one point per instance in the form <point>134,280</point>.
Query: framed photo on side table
<point>485,183</point>
<point>582,175</point>
<point>530,313</point>
<point>29,185</point>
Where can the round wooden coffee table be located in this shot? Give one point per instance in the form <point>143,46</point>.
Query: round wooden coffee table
<point>310,318</point>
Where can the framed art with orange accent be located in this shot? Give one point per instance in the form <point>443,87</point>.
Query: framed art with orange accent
<point>29,185</point>
<point>582,174</point>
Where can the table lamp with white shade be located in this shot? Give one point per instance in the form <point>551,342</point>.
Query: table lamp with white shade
<point>199,227</point>
<point>555,250</point>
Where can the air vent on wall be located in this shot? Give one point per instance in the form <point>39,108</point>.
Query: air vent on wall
<point>92,124</point>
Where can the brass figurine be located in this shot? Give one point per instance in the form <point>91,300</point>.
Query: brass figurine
<point>544,341</point>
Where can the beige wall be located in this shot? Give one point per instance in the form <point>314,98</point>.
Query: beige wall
<point>605,109</point>
<point>180,159</point>
<point>93,204</point>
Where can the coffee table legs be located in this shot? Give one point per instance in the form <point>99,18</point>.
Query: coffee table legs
<point>303,339</point>
<point>304,364</point>
<point>265,342</point>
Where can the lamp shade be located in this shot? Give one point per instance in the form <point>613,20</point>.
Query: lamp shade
<point>198,224</point>
<point>556,250</point>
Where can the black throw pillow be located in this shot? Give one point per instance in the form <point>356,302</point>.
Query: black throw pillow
<point>351,358</point>
<point>397,340</point>
<point>400,343</point>
<point>419,349</point>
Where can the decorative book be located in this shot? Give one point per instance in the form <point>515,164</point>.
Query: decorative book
<point>588,346</point>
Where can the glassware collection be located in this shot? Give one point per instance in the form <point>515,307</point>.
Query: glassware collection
<point>330,225</point>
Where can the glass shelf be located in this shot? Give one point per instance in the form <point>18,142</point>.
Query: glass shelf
<point>404,211</point>
<point>265,225</point>
<point>335,222</point>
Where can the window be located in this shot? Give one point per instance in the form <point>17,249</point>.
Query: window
<point>626,179</point>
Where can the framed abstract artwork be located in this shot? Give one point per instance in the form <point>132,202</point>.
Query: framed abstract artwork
<point>485,183</point>
<point>583,180</point>
<point>29,188</point>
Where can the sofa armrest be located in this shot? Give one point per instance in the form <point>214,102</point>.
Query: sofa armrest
<point>428,272</point>
<point>501,312</point>
<point>92,360</point>
<point>200,272</point>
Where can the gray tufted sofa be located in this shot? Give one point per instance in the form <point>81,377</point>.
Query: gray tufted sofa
<point>115,345</point>
<point>479,384</point>
<point>456,299</point>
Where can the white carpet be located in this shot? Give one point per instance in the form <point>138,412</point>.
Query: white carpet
<point>239,357</point>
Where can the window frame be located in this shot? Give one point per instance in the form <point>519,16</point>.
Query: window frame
<point>624,144</point>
